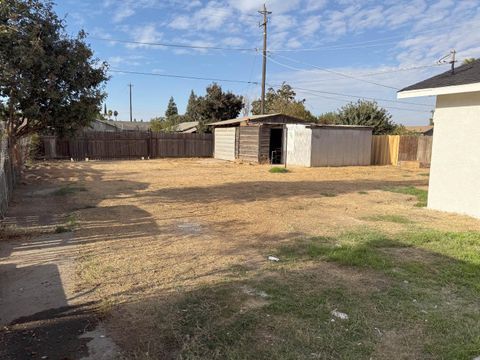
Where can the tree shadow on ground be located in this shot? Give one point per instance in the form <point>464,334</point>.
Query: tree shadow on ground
<point>268,190</point>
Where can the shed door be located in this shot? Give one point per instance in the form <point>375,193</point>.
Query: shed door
<point>225,143</point>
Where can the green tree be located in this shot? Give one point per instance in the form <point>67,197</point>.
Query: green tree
<point>48,80</point>
<point>110,113</point>
<point>328,118</point>
<point>163,124</point>
<point>193,111</point>
<point>115,113</point>
<point>172,109</point>
<point>469,60</point>
<point>367,113</point>
<point>218,105</point>
<point>283,101</point>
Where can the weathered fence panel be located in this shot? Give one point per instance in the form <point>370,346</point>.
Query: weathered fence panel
<point>385,149</point>
<point>391,149</point>
<point>424,153</point>
<point>408,148</point>
<point>128,145</point>
<point>12,159</point>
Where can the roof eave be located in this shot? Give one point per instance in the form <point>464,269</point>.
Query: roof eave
<point>444,90</point>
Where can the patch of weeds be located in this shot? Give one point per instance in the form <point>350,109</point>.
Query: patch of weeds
<point>69,226</point>
<point>10,232</point>
<point>424,174</point>
<point>421,195</point>
<point>363,192</point>
<point>61,229</point>
<point>68,190</point>
<point>328,194</point>
<point>71,221</point>
<point>278,170</point>
<point>399,219</point>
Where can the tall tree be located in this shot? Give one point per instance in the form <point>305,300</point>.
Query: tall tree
<point>115,113</point>
<point>172,109</point>
<point>367,113</point>
<point>283,101</point>
<point>218,105</point>
<point>193,111</point>
<point>328,118</point>
<point>48,80</point>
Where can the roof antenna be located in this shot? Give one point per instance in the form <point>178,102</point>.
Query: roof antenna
<point>453,52</point>
<point>452,62</point>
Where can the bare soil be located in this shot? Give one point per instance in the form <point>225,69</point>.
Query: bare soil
<point>144,232</point>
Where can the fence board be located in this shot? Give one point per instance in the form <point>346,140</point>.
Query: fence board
<point>129,145</point>
<point>385,149</point>
<point>424,153</point>
<point>408,148</point>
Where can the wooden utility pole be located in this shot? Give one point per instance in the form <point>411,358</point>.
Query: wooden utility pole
<point>130,86</point>
<point>265,14</point>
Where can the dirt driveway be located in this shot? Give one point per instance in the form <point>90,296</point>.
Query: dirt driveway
<point>90,247</point>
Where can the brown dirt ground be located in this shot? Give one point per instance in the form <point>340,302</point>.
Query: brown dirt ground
<point>151,228</point>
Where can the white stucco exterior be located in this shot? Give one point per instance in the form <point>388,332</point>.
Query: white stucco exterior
<point>455,168</point>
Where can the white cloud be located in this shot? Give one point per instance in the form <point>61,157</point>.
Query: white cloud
<point>145,34</point>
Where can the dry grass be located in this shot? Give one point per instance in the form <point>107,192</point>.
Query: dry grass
<point>171,246</point>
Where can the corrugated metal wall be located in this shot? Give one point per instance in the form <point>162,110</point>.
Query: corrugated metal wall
<point>341,147</point>
<point>225,143</point>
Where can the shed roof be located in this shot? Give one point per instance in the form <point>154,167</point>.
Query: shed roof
<point>333,126</point>
<point>267,118</point>
<point>464,78</point>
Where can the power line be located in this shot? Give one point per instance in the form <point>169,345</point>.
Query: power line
<point>183,76</point>
<point>327,70</point>
<point>342,100</point>
<point>367,43</point>
<point>380,72</point>
<point>352,96</point>
<point>200,47</point>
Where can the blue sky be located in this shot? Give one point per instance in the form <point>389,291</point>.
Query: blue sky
<point>324,49</point>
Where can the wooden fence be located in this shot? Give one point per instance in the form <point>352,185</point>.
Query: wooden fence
<point>392,149</point>
<point>127,145</point>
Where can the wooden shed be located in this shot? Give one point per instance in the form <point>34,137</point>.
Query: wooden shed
<point>257,138</point>
<point>315,145</point>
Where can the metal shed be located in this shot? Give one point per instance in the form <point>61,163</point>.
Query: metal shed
<point>328,145</point>
<point>258,138</point>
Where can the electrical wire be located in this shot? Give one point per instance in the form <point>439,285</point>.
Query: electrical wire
<point>326,70</point>
<point>343,100</point>
<point>316,92</point>
<point>173,45</point>
<point>183,76</point>
<point>362,44</point>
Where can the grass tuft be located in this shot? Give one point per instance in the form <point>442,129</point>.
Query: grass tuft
<point>398,219</point>
<point>421,195</point>
<point>278,170</point>
<point>328,194</point>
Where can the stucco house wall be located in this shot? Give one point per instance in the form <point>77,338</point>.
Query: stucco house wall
<point>455,168</point>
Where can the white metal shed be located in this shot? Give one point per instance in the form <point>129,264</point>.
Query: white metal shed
<point>328,145</point>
